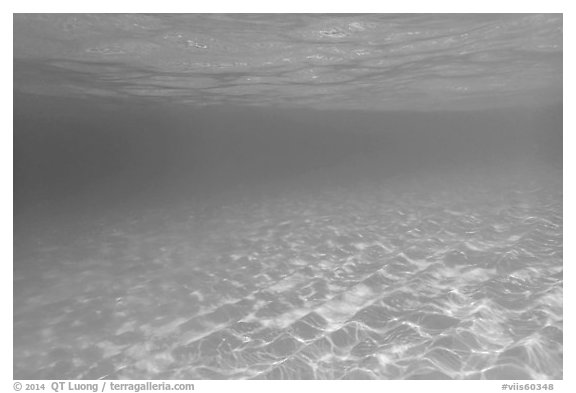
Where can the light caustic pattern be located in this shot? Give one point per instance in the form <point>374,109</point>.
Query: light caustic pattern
<point>461,280</point>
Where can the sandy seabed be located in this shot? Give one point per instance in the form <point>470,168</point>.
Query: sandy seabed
<point>442,277</point>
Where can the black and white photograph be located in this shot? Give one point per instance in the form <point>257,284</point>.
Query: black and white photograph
<point>288,196</point>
